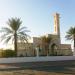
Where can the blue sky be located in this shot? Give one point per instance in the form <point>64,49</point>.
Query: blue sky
<point>37,15</point>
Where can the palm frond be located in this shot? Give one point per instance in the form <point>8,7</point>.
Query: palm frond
<point>23,29</point>
<point>68,37</point>
<point>71,33</point>
<point>14,23</point>
<point>7,40</point>
<point>6,30</point>
<point>23,39</point>
<point>23,34</point>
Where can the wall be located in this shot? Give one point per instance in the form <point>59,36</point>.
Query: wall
<point>35,59</point>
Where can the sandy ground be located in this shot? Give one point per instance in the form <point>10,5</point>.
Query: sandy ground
<point>44,68</point>
<point>30,72</point>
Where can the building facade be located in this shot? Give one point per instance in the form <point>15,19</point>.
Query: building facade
<point>37,46</point>
<point>25,49</point>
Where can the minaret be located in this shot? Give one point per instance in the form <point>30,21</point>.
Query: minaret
<point>57,26</point>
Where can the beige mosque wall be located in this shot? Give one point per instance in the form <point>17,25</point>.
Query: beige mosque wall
<point>30,48</point>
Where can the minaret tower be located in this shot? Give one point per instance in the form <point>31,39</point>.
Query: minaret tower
<point>57,26</point>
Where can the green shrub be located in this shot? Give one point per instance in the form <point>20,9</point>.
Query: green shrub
<point>7,53</point>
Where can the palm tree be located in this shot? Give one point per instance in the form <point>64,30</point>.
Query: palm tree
<point>71,35</point>
<point>46,42</point>
<point>14,32</point>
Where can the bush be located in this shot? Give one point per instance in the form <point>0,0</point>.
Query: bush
<point>7,53</point>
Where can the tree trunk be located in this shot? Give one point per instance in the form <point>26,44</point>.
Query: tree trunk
<point>74,44</point>
<point>15,43</point>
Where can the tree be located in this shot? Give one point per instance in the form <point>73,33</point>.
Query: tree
<point>71,35</point>
<point>15,32</point>
<point>46,42</point>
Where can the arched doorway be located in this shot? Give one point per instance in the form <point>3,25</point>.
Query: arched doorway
<point>54,48</point>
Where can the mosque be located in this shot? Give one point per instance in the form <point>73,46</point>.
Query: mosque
<point>32,49</point>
